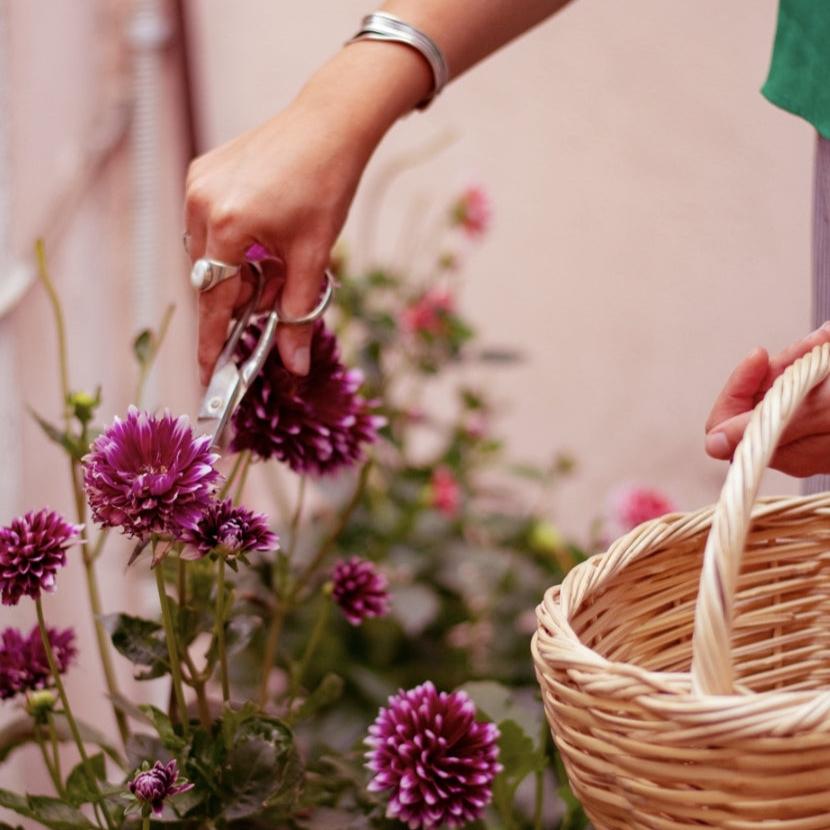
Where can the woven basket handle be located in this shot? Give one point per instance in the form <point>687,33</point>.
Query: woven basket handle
<point>712,671</point>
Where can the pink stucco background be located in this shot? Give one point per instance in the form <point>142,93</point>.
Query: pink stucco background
<point>652,224</point>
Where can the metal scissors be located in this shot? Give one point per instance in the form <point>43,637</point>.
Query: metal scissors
<point>229,382</point>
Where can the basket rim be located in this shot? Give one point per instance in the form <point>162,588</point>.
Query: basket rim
<point>556,643</point>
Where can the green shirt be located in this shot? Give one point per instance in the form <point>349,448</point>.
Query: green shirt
<point>799,75</point>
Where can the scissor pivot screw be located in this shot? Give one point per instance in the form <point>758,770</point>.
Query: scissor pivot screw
<point>215,403</point>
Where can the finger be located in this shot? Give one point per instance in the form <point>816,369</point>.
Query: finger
<point>805,457</point>
<point>816,338</point>
<point>216,306</point>
<point>303,283</point>
<point>740,391</point>
<point>722,440</point>
<point>195,222</point>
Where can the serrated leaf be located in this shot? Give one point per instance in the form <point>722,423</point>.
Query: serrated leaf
<point>50,812</point>
<point>164,727</point>
<point>79,790</point>
<point>140,641</point>
<point>262,770</point>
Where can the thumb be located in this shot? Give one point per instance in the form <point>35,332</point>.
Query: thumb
<point>303,282</point>
<point>722,440</point>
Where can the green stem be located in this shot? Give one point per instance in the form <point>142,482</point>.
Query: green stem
<point>147,365</point>
<point>243,477</point>
<point>311,647</point>
<point>67,709</point>
<point>226,487</point>
<point>60,326</point>
<point>334,534</point>
<point>53,738</point>
<point>94,598</point>
<point>145,823</point>
<point>172,650</point>
<point>269,654</point>
<point>220,631</point>
<point>56,781</point>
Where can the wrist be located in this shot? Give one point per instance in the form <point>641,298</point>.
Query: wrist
<point>368,86</point>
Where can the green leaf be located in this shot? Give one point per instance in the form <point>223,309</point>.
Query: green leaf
<point>164,727</point>
<point>140,641</point>
<point>143,346</point>
<point>79,790</point>
<point>73,445</point>
<point>263,769</point>
<point>328,692</point>
<point>50,812</point>
<point>498,703</point>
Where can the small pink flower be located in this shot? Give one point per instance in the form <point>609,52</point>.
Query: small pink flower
<point>444,492</point>
<point>634,505</point>
<point>472,212</point>
<point>428,314</point>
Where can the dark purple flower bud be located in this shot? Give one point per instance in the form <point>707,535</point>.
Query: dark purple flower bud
<point>23,663</point>
<point>316,424</point>
<point>359,589</point>
<point>32,550</point>
<point>149,474</point>
<point>154,785</point>
<point>437,761</point>
<point>229,530</point>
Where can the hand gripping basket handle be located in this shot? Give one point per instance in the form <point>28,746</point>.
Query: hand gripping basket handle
<point>712,669</point>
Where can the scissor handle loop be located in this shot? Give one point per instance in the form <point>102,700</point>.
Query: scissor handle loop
<point>317,312</point>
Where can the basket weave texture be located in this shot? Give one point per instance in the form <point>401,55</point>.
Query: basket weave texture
<point>685,672</point>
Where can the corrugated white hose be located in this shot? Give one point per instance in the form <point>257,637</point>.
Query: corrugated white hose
<point>149,32</point>
<point>10,419</point>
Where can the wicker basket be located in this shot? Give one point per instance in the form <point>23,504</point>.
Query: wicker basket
<point>685,672</point>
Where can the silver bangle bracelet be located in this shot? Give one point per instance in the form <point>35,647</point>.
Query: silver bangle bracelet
<point>388,27</point>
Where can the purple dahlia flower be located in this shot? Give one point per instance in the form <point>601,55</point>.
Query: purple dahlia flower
<point>32,549</point>
<point>23,663</point>
<point>359,589</point>
<point>229,530</point>
<point>149,474</point>
<point>154,785</point>
<point>315,424</point>
<point>438,761</point>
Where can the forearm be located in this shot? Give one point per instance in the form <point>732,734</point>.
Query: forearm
<point>369,85</point>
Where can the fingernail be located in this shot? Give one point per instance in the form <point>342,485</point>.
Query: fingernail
<point>301,360</point>
<point>717,445</point>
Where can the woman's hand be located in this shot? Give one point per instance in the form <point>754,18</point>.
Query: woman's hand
<point>804,449</point>
<point>288,184</point>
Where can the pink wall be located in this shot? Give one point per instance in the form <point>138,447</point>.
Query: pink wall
<point>652,223</point>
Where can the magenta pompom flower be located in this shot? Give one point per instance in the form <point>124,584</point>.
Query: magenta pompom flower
<point>427,748</point>
<point>316,424</point>
<point>472,212</point>
<point>32,550</point>
<point>149,474</point>
<point>359,589</point>
<point>153,786</point>
<point>430,313</point>
<point>228,530</point>
<point>633,505</point>
<point>23,663</point>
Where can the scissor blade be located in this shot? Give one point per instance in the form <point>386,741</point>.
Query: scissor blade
<point>221,399</point>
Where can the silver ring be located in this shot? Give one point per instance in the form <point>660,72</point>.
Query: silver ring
<point>208,273</point>
<point>317,312</point>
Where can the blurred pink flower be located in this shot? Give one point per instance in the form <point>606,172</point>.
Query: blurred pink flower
<point>444,492</point>
<point>428,314</point>
<point>633,505</point>
<point>472,212</point>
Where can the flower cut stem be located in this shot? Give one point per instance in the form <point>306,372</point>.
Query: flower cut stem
<point>172,650</point>
<point>70,718</point>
